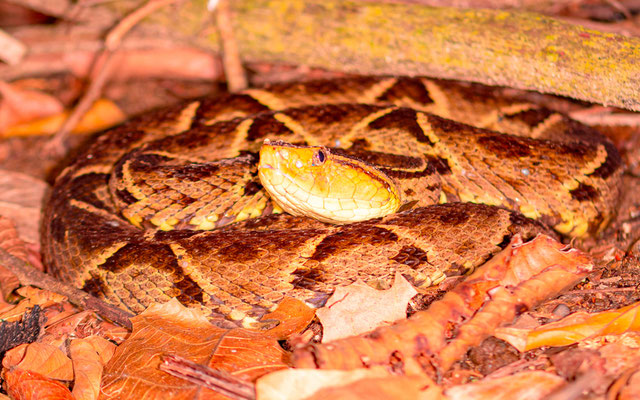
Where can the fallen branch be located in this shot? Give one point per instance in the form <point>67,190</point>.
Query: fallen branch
<point>509,48</point>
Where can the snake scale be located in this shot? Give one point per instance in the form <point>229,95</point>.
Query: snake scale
<point>170,205</point>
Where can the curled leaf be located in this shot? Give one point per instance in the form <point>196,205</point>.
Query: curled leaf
<point>574,328</point>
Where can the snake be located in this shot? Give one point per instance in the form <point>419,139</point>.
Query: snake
<point>377,176</point>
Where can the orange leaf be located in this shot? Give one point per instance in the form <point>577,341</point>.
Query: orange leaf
<point>172,329</point>
<point>88,365</point>
<point>20,105</point>
<point>44,359</point>
<point>574,328</point>
<point>293,316</point>
<point>359,308</point>
<point>102,115</point>
<point>29,385</point>
<point>33,296</point>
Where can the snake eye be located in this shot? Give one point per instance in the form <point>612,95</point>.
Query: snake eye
<point>319,157</point>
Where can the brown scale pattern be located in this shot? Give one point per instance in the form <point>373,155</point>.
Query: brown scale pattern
<point>192,168</point>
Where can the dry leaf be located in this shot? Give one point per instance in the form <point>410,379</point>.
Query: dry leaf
<point>20,105</point>
<point>523,385</point>
<point>13,356</point>
<point>294,384</point>
<point>9,240</point>
<point>41,358</point>
<point>89,356</point>
<point>21,198</point>
<point>29,385</point>
<point>574,328</point>
<point>103,348</point>
<point>103,114</point>
<point>359,308</point>
<point>12,244</point>
<point>163,329</point>
<point>626,387</point>
<point>519,277</point>
<point>42,297</point>
<point>172,329</point>
<point>393,387</point>
<point>33,296</point>
<point>294,316</point>
<point>620,352</point>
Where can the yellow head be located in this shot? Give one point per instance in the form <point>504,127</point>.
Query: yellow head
<point>312,181</point>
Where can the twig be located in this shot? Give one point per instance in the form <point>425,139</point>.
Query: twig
<point>31,276</point>
<point>101,72</point>
<point>620,8</point>
<point>218,381</point>
<point>236,79</point>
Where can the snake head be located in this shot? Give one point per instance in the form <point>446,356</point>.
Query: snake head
<point>313,181</point>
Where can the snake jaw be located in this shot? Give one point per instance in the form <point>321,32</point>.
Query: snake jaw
<point>312,181</point>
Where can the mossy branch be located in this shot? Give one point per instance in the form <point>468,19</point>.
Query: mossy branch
<point>515,49</point>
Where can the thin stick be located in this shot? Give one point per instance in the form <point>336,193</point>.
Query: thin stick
<point>218,381</point>
<point>236,79</point>
<point>101,72</point>
<point>27,275</point>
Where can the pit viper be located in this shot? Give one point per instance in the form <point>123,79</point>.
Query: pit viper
<point>170,204</point>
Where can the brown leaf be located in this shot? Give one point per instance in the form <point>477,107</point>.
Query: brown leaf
<point>41,358</point>
<point>89,356</point>
<point>518,278</point>
<point>359,308</point>
<point>523,385</point>
<point>574,328</point>
<point>172,329</point>
<point>29,385</point>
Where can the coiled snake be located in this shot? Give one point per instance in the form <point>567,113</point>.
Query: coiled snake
<point>170,204</point>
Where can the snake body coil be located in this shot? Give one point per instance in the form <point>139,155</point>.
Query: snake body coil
<point>170,205</point>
